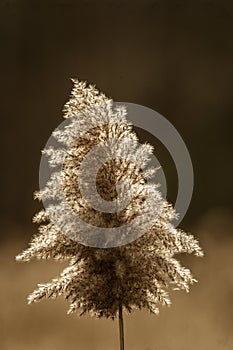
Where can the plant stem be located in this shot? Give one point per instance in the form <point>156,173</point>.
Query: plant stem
<point>121,328</point>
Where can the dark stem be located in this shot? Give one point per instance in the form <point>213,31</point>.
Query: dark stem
<point>121,328</point>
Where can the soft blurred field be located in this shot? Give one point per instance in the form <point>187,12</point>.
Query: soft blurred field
<point>174,56</point>
<point>202,319</point>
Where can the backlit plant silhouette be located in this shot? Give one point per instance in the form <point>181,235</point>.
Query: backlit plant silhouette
<point>100,280</point>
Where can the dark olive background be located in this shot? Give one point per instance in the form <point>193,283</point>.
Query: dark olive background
<point>172,56</point>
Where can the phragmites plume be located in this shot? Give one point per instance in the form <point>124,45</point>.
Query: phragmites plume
<point>103,277</point>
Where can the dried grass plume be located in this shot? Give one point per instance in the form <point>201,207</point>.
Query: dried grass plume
<point>99,280</point>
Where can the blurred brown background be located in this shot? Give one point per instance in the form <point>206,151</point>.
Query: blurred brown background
<point>172,56</point>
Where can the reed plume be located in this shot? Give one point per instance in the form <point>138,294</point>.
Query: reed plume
<point>102,279</point>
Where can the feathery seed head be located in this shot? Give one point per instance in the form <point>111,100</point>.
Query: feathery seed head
<point>98,280</point>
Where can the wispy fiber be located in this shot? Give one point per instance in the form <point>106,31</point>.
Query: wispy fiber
<point>131,276</point>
